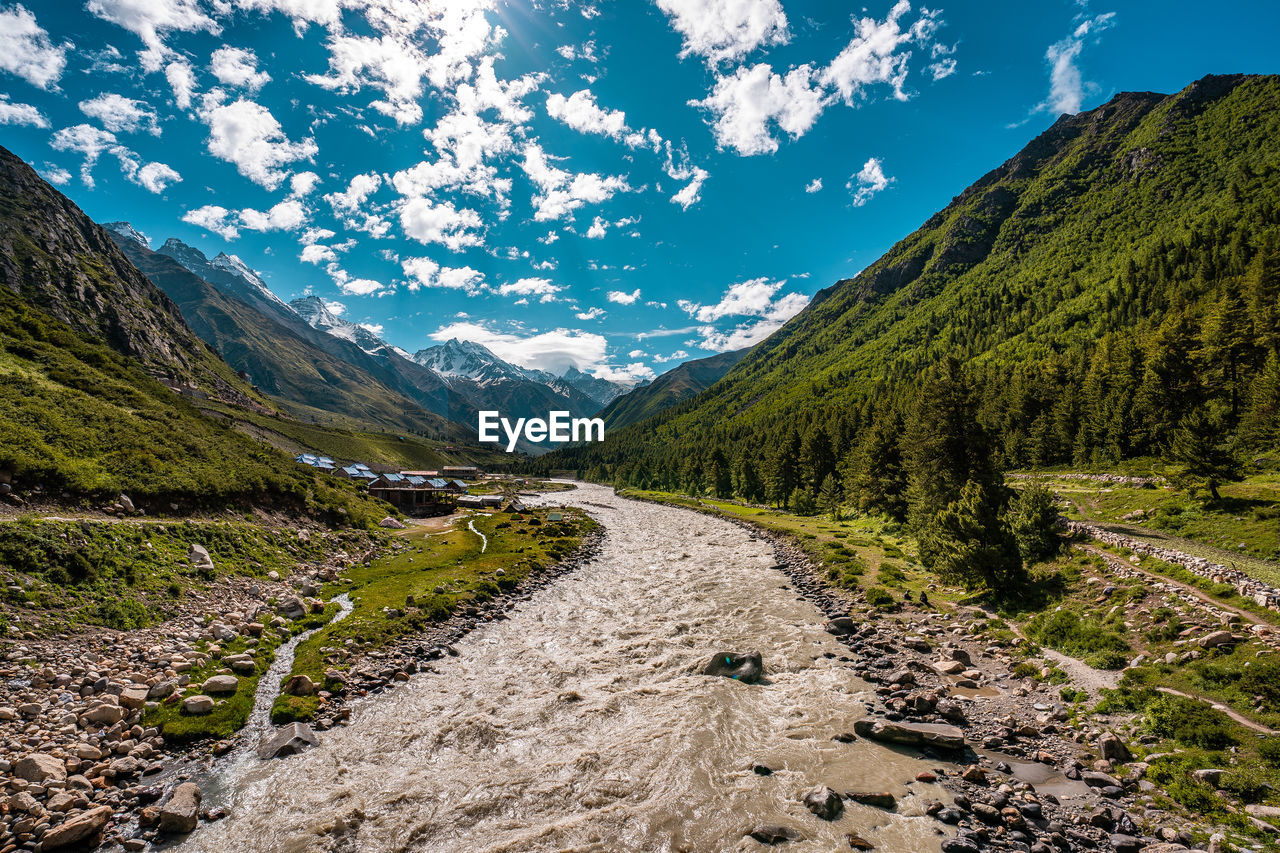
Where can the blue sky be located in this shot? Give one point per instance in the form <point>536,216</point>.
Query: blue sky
<point>617,186</point>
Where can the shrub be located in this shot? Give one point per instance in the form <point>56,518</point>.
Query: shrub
<point>1189,722</point>
<point>878,596</point>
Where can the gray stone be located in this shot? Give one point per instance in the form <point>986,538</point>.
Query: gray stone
<point>221,684</point>
<point>182,811</point>
<point>198,704</point>
<point>911,734</point>
<point>40,769</point>
<point>823,802</point>
<point>288,740</point>
<point>76,829</point>
<point>747,668</point>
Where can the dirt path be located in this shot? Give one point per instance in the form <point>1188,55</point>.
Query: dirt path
<point>1113,560</point>
<point>1218,706</point>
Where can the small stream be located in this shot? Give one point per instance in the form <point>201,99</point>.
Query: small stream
<point>219,784</point>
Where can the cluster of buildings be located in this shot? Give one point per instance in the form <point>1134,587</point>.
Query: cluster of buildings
<point>412,492</point>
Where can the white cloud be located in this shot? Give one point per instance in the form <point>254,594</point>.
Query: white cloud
<point>1067,88</point>
<point>317,253</point>
<point>86,140</point>
<point>335,307</point>
<point>540,287</point>
<point>20,114</point>
<point>752,298</point>
<point>586,51</point>
<point>598,228</point>
<point>943,68</point>
<point>873,56</point>
<point>691,193</point>
<point>235,66</point>
<point>748,103</point>
<point>721,30</point>
<point>215,219</point>
<point>302,183</point>
<point>581,112</point>
<point>247,134</point>
<point>638,353</point>
<point>375,328</point>
<point>624,373</point>
<point>429,222</point>
<point>156,176</point>
<point>358,191</point>
<point>151,19</point>
<point>621,297</point>
<point>813,186</point>
<point>675,356</point>
<point>387,62</point>
<point>590,314</point>
<point>424,272</point>
<point>288,215</point>
<point>350,285</point>
<point>25,49</point>
<point>869,180</point>
<point>56,175</point>
<point>555,350</point>
<point>120,114</point>
<point>564,192</point>
<point>182,80</point>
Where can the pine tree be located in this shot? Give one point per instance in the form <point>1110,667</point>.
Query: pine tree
<point>1228,345</point>
<point>1200,444</point>
<point>874,474</point>
<point>721,476</point>
<point>829,497</point>
<point>1033,521</point>
<point>971,546</point>
<point>1261,425</point>
<point>817,459</point>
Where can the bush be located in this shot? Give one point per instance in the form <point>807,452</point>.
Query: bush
<point>1082,637</point>
<point>878,596</point>
<point>1189,722</point>
<point>1269,751</point>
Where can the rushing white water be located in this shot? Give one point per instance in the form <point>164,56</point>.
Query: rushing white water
<point>580,723</point>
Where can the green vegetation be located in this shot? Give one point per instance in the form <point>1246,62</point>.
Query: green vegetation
<point>1106,295</point>
<point>78,417</point>
<point>130,574</point>
<point>427,578</point>
<point>230,712</point>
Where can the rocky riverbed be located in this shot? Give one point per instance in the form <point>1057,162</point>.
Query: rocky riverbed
<point>578,716</point>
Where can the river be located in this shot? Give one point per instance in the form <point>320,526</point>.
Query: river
<point>580,722</point>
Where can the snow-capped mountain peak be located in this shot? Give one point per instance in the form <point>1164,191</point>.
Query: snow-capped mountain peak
<point>316,313</point>
<point>238,268</point>
<point>124,229</point>
<point>470,360</point>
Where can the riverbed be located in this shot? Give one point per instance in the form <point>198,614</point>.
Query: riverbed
<point>581,722</point>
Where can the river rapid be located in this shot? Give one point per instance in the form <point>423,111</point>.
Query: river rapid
<point>580,723</point>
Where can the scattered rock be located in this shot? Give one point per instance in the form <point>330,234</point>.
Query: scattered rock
<point>40,769</point>
<point>880,799</point>
<point>76,829</point>
<point>774,834</point>
<point>221,684</point>
<point>823,802</point>
<point>288,740</point>
<point>391,523</point>
<point>180,814</point>
<point>198,704</point>
<point>747,668</point>
<point>911,734</point>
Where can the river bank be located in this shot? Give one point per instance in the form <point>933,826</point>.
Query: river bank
<point>100,729</point>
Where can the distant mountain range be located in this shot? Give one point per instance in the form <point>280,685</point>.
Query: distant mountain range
<point>681,383</point>
<point>318,362</point>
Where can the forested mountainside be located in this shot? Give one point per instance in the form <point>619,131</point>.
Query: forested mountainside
<point>675,386</point>
<point>1113,283</point>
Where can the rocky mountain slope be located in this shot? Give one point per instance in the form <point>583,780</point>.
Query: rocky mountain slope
<point>278,352</point>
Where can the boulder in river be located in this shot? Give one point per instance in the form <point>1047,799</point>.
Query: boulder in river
<point>823,802</point>
<point>840,626</point>
<point>288,740</point>
<point>911,734</point>
<point>774,834</point>
<point>747,668</point>
<point>298,685</point>
<point>180,813</point>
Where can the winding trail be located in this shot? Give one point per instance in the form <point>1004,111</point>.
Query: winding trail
<point>581,721</point>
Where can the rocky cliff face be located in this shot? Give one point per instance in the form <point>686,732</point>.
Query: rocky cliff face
<point>58,260</point>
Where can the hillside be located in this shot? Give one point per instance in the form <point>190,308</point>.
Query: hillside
<point>675,386</point>
<point>1115,275</point>
<point>283,357</point>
